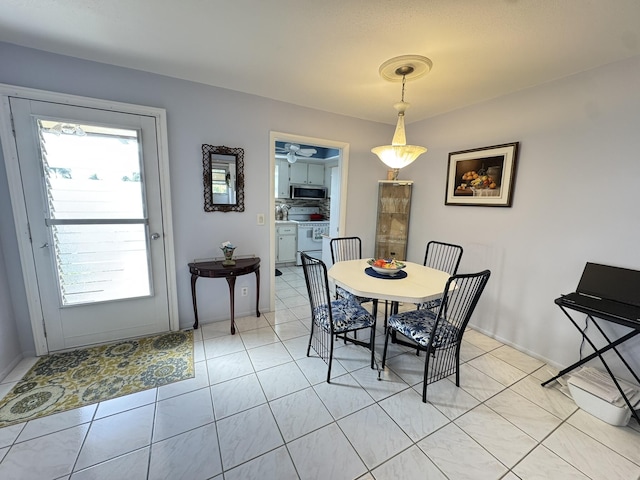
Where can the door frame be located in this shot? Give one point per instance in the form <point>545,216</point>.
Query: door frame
<point>343,163</point>
<point>17,194</point>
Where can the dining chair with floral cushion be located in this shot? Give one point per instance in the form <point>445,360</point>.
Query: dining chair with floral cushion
<point>441,256</point>
<point>439,333</point>
<point>350,248</point>
<point>332,319</point>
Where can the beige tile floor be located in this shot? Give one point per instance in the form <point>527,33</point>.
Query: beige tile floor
<point>258,408</point>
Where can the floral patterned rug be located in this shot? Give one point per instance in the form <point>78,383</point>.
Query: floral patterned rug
<point>63,381</point>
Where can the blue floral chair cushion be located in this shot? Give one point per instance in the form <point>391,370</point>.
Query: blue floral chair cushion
<point>418,326</point>
<point>347,315</point>
<point>346,295</point>
<point>431,304</point>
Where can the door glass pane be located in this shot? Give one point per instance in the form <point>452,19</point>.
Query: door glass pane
<point>93,179</point>
<point>91,171</point>
<point>98,263</point>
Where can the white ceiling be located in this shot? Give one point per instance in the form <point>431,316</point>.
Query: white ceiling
<point>325,54</point>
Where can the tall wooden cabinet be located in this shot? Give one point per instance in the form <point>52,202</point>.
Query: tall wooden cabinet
<point>392,229</point>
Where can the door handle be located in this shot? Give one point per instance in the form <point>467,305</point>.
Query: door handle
<point>155,236</point>
<point>45,245</point>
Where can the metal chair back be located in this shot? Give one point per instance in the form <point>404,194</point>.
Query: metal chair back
<point>443,256</point>
<point>345,248</point>
<point>443,350</point>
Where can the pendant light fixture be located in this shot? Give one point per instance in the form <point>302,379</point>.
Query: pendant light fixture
<point>403,68</point>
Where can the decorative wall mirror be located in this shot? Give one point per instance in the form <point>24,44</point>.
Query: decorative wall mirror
<point>223,178</point>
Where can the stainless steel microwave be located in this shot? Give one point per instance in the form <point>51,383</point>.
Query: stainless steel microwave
<point>310,193</point>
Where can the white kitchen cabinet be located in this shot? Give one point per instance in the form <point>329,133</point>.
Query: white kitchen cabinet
<point>298,173</point>
<point>302,173</point>
<point>282,178</point>
<point>286,242</point>
<point>315,174</point>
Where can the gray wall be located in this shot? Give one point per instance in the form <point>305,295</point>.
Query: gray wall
<point>16,338</point>
<point>10,350</point>
<point>196,114</point>
<point>574,198</point>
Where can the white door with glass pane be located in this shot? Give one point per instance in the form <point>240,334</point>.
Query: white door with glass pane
<point>92,194</point>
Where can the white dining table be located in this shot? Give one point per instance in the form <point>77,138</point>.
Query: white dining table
<point>420,285</point>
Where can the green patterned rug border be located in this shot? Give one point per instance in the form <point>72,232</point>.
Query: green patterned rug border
<point>67,380</point>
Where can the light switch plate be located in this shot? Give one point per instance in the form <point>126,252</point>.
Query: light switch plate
<point>260,219</point>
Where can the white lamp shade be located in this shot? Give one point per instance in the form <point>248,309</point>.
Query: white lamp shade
<point>398,156</point>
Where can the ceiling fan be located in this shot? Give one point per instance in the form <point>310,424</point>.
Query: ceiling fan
<point>293,152</point>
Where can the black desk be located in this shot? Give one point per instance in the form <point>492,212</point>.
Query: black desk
<point>215,269</point>
<point>632,323</point>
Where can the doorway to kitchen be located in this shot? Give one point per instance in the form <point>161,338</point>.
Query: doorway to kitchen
<point>287,150</point>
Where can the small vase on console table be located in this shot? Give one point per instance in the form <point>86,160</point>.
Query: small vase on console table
<point>227,249</point>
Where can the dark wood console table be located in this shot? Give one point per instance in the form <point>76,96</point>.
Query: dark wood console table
<point>215,269</point>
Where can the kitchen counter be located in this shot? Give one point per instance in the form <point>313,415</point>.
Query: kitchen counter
<point>285,222</point>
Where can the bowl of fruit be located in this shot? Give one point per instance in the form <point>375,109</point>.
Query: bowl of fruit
<point>384,266</point>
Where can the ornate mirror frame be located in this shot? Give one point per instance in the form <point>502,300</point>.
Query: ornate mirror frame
<point>215,154</point>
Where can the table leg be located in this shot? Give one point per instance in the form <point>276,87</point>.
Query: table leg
<point>193,298</point>
<point>258,292</point>
<point>393,311</point>
<point>232,290</point>
<point>374,310</point>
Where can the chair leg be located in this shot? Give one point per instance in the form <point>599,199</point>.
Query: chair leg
<point>427,354</point>
<point>310,339</point>
<point>425,378</point>
<point>330,361</point>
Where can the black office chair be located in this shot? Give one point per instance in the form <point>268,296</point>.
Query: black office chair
<point>349,248</point>
<point>441,256</point>
<point>439,334</point>
<point>332,319</point>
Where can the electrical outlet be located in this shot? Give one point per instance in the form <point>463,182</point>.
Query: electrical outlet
<point>244,291</point>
